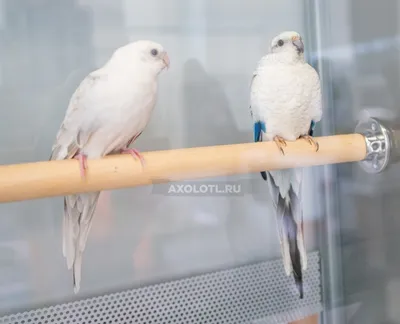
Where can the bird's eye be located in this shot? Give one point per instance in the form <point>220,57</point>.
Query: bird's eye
<point>154,52</point>
<point>280,42</point>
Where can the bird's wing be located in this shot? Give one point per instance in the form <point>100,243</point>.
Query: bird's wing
<point>316,96</point>
<point>253,110</point>
<point>258,125</point>
<point>79,123</point>
<point>312,127</point>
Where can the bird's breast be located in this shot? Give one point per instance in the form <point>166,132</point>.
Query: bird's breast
<point>282,98</point>
<point>127,117</point>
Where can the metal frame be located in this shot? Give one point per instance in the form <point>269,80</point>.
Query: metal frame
<point>317,15</point>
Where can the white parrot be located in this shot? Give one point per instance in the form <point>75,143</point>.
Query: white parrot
<point>285,104</point>
<point>108,111</point>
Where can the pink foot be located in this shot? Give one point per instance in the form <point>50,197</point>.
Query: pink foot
<point>82,163</point>
<point>135,154</point>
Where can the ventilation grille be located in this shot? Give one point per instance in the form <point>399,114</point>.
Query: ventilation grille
<point>258,294</point>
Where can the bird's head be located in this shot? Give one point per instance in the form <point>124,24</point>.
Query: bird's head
<point>288,42</point>
<point>149,53</point>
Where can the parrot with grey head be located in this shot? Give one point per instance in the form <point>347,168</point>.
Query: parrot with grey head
<point>285,104</point>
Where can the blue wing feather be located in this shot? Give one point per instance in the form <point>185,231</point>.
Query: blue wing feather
<point>312,127</point>
<point>258,127</point>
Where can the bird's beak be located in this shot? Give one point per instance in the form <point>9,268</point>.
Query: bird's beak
<point>166,60</point>
<point>298,43</point>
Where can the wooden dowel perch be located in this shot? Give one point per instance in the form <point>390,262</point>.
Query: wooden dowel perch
<point>55,178</point>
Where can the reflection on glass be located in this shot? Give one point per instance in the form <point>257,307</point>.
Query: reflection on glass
<point>140,235</point>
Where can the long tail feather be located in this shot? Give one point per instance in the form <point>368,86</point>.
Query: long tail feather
<point>289,228</point>
<point>289,223</point>
<point>78,220</point>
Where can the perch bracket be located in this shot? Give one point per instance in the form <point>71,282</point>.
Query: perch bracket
<point>378,144</point>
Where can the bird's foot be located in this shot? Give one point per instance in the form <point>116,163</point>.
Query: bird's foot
<point>135,154</point>
<point>82,158</point>
<point>280,142</point>
<point>311,141</point>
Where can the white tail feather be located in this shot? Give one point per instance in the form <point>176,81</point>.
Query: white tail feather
<point>302,249</point>
<point>286,257</point>
<point>78,220</point>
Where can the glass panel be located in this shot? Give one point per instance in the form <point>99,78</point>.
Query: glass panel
<point>361,54</point>
<point>140,235</point>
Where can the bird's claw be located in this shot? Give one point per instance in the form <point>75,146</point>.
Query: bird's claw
<point>311,141</point>
<point>135,154</point>
<point>82,164</point>
<point>279,141</point>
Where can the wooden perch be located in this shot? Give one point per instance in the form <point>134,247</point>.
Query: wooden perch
<point>55,178</point>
